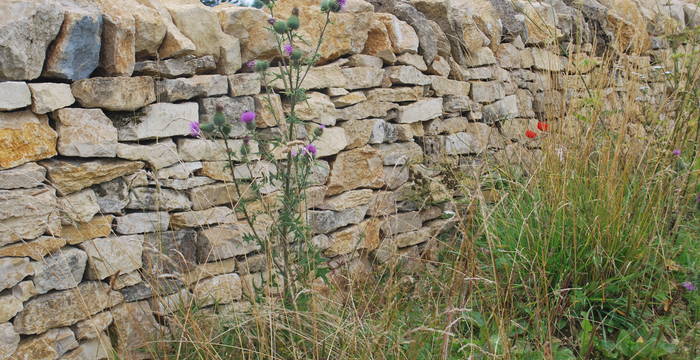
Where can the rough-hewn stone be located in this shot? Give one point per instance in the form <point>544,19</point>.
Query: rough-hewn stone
<point>220,289</point>
<point>69,176</point>
<point>159,155</point>
<point>50,345</point>
<point>115,93</point>
<point>25,137</point>
<point>223,242</point>
<point>14,95</point>
<point>154,199</point>
<point>420,111</point>
<point>60,271</point>
<point>171,90</point>
<point>111,255</point>
<point>24,176</point>
<point>85,133</point>
<point>134,327</point>
<point>356,168</point>
<point>35,249</point>
<point>14,269</point>
<point>28,213</point>
<point>136,223</point>
<point>78,207</point>
<point>157,121</point>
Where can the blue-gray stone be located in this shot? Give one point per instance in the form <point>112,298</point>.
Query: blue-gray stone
<point>75,53</point>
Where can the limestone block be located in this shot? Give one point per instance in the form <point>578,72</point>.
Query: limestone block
<point>115,93</point>
<point>25,137</point>
<point>85,133</point>
<point>112,255</point>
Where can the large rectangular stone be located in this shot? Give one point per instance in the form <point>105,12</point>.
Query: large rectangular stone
<point>112,255</point>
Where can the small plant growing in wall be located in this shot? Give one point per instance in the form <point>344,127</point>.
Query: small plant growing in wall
<point>277,220</point>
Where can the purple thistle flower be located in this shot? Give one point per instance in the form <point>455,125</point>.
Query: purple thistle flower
<point>676,152</point>
<point>195,131</point>
<point>251,64</point>
<point>271,21</point>
<point>341,3</point>
<point>688,286</point>
<point>288,49</point>
<point>322,126</point>
<point>247,117</point>
<point>294,152</point>
<point>310,149</point>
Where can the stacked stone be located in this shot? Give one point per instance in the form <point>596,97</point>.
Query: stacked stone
<point>112,215</point>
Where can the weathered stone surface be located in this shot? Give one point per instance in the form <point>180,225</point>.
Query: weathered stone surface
<point>112,196</point>
<point>363,236</point>
<point>244,84</point>
<point>25,137</point>
<point>232,110</point>
<point>171,90</point>
<point>200,24</point>
<point>401,223</point>
<point>154,199</point>
<point>26,35</point>
<point>378,42</point>
<point>51,345</point>
<point>69,176</point>
<point>14,95</point>
<point>206,270</point>
<point>35,249</point>
<point>365,110</point>
<point>223,242</point>
<point>331,141</point>
<point>473,141</point>
<point>220,170</point>
<point>317,108</point>
<point>347,200</point>
<point>356,168</point>
<point>169,252</point>
<point>94,349</point>
<point>215,215</point>
<point>175,43</point>
<point>358,132</point>
<point>157,121</point>
<point>406,75</point>
<point>383,132</point>
<point>14,270</point>
<point>9,340</point>
<point>75,53</point>
<point>168,304</point>
<point>24,176</point>
<point>173,68</point>
<point>247,25</point>
<point>142,222</point>
<point>420,111</point>
<point>186,184</point>
<point>362,77</point>
<point>78,207</point>
<point>325,221</point>
<point>440,66</point>
<point>546,60</point>
<point>64,308</point>
<point>395,176</point>
<point>221,289</point>
<point>364,60</point>
<point>150,29</point>
<point>181,170</point>
<point>414,60</point>
<point>118,48</point>
<point>60,271</point>
<point>99,226</point>
<point>134,327</point>
<point>204,197</point>
<point>269,111</point>
<point>92,327</point>
<point>400,153</point>
<point>9,307</point>
<point>443,86</point>
<point>27,213</point>
<point>446,126</point>
<point>111,255</point>
<point>506,108</point>
<point>210,150</point>
<point>138,292</point>
<point>47,97</point>
<point>403,37</point>
<point>487,91</point>
<point>159,155</point>
<point>85,133</point>
<point>349,99</point>
<point>397,94</point>
<point>115,93</point>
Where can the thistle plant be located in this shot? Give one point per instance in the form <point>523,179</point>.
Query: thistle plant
<point>277,219</point>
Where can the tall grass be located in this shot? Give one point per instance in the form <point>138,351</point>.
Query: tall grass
<point>581,258</point>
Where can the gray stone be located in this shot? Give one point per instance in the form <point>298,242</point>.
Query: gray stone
<point>232,109</point>
<point>326,221</point>
<point>443,86</point>
<point>211,150</point>
<point>181,170</point>
<point>401,223</point>
<point>112,196</point>
<point>14,95</point>
<point>112,255</point>
<point>9,339</point>
<point>13,270</point>
<point>9,307</point>
<point>65,307</point>
<point>140,291</point>
<point>60,271</point>
<point>406,75</point>
<point>71,175</point>
<point>157,121</point>
<point>223,242</point>
<point>92,327</point>
<point>400,153</point>
<point>78,207</point>
<point>159,155</point>
<point>472,142</point>
<point>365,109</point>
<point>420,111</point>
<point>244,84</point>
<point>506,108</point>
<point>27,213</point>
<point>177,67</point>
<point>137,223</point>
<point>171,90</point>
<point>487,91</point>
<point>75,53</point>
<point>85,133</point>
<point>28,175</point>
<point>50,345</point>
<point>382,132</point>
<point>27,28</point>
<point>154,199</point>
<point>47,97</point>
<point>93,349</point>
<point>221,289</point>
<point>458,104</point>
<point>169,252</point>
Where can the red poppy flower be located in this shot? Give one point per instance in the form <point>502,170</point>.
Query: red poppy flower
<point>531,134</point>
<point>542,126</point>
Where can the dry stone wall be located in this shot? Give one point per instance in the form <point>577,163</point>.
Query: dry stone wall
<point>111,214</point>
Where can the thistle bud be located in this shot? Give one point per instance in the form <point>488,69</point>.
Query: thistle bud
<point>258,4</point>
<point>261,65</point>
<point>219,108</point>
<point>280,26</point>
<point>296,54</point>
<point>326,5</point>
<point>219,118</point>
<point>293,22</point>
<point>295,11</point>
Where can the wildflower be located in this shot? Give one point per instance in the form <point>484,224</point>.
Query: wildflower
<point>322,126</point>
<point>288,48</point>
<point>310,149</point>
<point>280,26</point>
<point>247,117</point>
<point>195,131</point>
<point>294,152</point>
<point>293,21</point>
<point>246,140</point>
<point>688,286</point>
<point>542,126</point>
<point>531,134</point>
<point>341,3</point>
<point>676,152</point>
<point>271,21</point>
<point>250,64</point>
